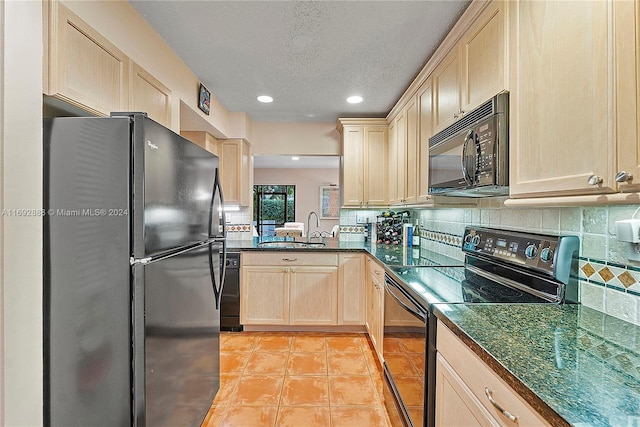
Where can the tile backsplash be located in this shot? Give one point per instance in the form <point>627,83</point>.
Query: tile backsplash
<point>609,282</point>
<point>239,225</point>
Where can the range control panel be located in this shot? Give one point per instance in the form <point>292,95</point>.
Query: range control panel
<point>531,250</point>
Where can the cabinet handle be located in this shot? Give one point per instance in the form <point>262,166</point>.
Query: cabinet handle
<point>377,273</point>
<point>506,413</point>
<point>623,176</point>
<point>594,180</point>
<point>290,259</point>
<point>293,270</point>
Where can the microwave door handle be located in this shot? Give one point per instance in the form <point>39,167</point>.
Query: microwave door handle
<point>470,175</point>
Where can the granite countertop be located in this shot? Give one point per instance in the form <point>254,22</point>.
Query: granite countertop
<point>387,254</point>
<point>573,364</point>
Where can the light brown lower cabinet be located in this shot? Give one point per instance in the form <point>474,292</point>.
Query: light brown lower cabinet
<point>466,387</point>
<point>289,288</point>
<point>375,305</point>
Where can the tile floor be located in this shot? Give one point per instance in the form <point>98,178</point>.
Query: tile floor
<point>297,379</point>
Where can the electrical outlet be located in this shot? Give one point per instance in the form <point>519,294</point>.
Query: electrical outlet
<point>628,231</point>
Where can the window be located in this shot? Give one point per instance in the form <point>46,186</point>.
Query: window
<point>273,205</point>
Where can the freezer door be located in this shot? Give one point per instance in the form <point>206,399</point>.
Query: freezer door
<point>181,345</point>
<point>87,337</point>
<point>173,189</point>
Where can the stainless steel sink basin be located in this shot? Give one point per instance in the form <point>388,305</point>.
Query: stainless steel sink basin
<point>289,245</point>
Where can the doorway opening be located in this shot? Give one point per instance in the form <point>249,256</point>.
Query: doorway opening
<point>273,205</point>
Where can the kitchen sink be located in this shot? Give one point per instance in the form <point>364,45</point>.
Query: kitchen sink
<point>289,245</point>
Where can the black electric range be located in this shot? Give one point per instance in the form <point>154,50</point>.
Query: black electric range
<point>501,266</point>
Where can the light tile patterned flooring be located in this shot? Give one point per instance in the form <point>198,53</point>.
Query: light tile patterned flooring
<point>297,379</point>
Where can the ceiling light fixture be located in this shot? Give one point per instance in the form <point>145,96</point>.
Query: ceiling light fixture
<point>265,98</point>
<point>295,158</point>
<point>354,99</point>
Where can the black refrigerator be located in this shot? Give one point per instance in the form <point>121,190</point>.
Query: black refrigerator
<point>134,256</point>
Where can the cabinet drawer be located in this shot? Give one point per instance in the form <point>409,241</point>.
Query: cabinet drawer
<point>478,376</point>
<point>289,258</point>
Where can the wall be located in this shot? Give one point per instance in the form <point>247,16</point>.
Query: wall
<point>307,182</point>
<point>295,138</point>
<point>21,188</point>
<point>608,281</point>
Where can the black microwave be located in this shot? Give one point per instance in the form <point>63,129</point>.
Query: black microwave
<point>471,157</point>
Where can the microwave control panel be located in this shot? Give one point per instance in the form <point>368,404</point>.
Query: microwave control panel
<point>485,135</point>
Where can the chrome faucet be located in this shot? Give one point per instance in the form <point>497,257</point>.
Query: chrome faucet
<point>309,224</point>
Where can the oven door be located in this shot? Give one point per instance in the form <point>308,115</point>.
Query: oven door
<point>404,348</point>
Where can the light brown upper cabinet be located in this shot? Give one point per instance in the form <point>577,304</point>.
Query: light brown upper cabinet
<point>568,136</point>
<point>204,140</point>
<point>83,68</point>
<point>149,95</point>
<point>404,156</point>
<point>392,162</point>
<point>412,153</point>
<point>425,131</point>
<point>627,15</point>
<point>363,173</point>
<point>474,70</point>
<point>397,160</point>
<point>235,171</point>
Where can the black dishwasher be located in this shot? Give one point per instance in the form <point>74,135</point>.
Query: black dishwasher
<point>230,305</point>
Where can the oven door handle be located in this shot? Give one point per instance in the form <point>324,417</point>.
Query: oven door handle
<point>415,312</point>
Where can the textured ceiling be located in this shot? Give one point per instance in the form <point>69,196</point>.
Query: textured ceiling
<point>308,55</point>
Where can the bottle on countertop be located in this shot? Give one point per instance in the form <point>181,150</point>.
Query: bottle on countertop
<point>415,242</point>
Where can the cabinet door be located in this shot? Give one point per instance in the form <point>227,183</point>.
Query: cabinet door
<point>150,96</point>
<point>483,57</point>
<point>378,316</point>
<point>561,125</point>
<point>353,167</point>
<point>85,69</point>
<point>627,15</point>
<point>351,290</point>
<point>375,155</point>
<point>446,86</point>
<point>264,295</point>
<point>455,403</point>
<point>313,296</point>
<point>393,162</point>
<point>235,164</point>
<point>412,155</point>
<point>375,305</point>
<point>425,103</point>
<point>400,158</point>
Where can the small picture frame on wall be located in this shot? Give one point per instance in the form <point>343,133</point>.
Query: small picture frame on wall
<point>204,100</point>
<point>329,202</point>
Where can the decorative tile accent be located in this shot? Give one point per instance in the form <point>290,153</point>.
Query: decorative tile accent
<point>627,279</point>
<point>588,270</point>
<point>606,274</point>
<point>441,237</point>
<point>244,228</point>
<point>352,229</point>
<point>612,275</point>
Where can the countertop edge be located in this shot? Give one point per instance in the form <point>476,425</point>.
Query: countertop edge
<point>507,376</point>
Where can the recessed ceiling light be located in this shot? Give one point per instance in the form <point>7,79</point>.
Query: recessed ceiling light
<point>354,99</point>
<point>295,158</point>
<point>265,98</point>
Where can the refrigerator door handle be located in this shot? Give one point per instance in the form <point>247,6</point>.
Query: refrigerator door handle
<point>148,260</point>
<point>217,189</point>
<point>218,281</point>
